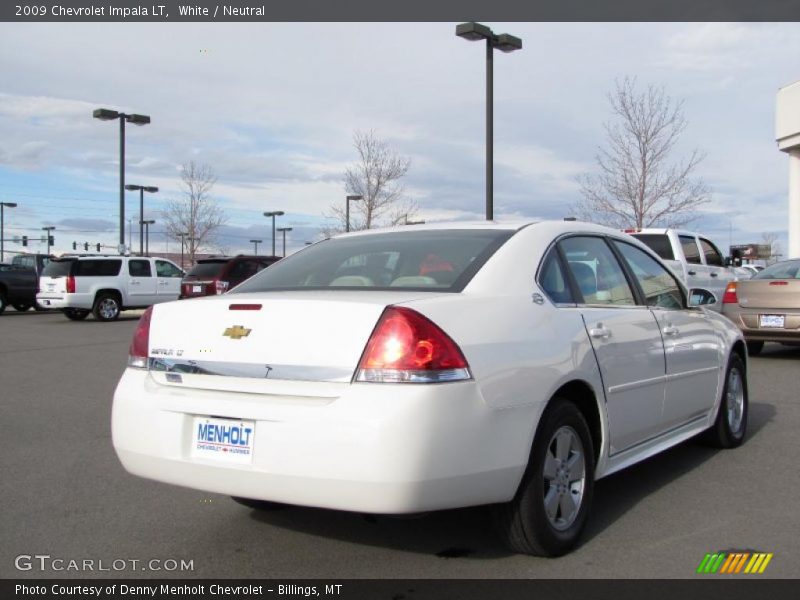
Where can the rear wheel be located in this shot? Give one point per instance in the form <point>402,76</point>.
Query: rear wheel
<point>106,307</point>
<point>2,303</point>
<point>730,426</point>
<point>76,314</point>
<point>19,307</point>
<point>754,348</point>
<point>549,511</point>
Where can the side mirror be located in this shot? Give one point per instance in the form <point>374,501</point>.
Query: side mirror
<point>701,297</point>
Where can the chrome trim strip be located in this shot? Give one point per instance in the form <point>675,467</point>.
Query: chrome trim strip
<point>250,370</point>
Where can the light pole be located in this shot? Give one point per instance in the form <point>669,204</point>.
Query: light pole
<point>255,245</point>
<point>47,231</point>
<point>105,114</point>
<point>142,189</point>
<point>284,230</point>
<point>2,234</point>
<point>147,235</point>
<point>347,211</point>
<point>273,214</point>
<point>182,235</point>
<point>505,43</point>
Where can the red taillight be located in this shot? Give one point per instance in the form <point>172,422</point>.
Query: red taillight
<point>407,347</point>
<point>137,355</point>
<point>70,284</point>
<point>220,287</point>
<point>730,294</point>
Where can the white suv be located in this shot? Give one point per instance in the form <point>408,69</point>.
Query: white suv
<point>107,285</point>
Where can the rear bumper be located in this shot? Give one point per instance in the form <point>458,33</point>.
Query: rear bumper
<point>61,301</point>
<point>747,319</point>
<point>376,448</point>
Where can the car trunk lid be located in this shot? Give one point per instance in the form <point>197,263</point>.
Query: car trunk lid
<point>769,293</point>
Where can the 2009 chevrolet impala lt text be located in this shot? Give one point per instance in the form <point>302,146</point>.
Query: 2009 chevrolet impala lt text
<point>434,367</point>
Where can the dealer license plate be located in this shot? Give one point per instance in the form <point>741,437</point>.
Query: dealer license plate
<point>776,321</point>
<point>225,440</point>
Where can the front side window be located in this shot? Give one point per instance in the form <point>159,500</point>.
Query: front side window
<point>659,286</point>
<point>429,260</point>
<point>713,256</point>
<point>599,276</point>
<point>166,269</point>
<point>690,250</point>
<point>139,268</point>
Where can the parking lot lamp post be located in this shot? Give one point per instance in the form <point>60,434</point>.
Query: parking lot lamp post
<point>147,235</point>
<point>105,114</point>
<point>182,235</point>
<point>142,189</point>
<point>284,230</point>
<point>255,245</point>
<point>505,43</point>
<point>273,214</point>
<point>2,225</point>
<point>347,211</point>
<point>47,231</point>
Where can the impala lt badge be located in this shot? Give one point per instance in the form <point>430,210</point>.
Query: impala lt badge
<point>237,332</point>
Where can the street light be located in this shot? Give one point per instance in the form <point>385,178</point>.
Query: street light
<point>284,230</point>
<point>505,43</point>
<point>255,245</point>
<point>182,235</point>
<point>147,234</point>
<point>2,239</point>
<point>47,231</point>
<point>347,211</point>
<point>105,114</point>
<point>142,189</point>
<point>273,214</point>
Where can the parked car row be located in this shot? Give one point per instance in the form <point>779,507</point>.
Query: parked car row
<point>107,285</point>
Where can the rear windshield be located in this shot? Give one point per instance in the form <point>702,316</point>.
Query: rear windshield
<point>443,260</point>
<point>658,243</point>
<point>57,268</point>
<point>789,269</point>
<point>207,268</point>
<point>97,268</point>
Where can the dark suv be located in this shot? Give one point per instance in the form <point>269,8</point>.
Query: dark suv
<point>217,275</point>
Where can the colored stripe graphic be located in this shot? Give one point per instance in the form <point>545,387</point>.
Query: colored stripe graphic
<point>711,563</point>
<point>734,563</point>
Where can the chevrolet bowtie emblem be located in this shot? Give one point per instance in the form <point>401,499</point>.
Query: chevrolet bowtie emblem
<point>237,332</point>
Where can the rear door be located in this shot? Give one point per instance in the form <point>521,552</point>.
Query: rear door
<point>625,338</point>
<point>141,283</point>
<point>697,274</point>
<point>168,285</point>
<point>692,348</point>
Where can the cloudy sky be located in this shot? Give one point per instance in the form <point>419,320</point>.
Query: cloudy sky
<point>272,109</point>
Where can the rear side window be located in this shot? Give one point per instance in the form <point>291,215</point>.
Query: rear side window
<point>441,260</point>
<point>553,281</point>
<point>97,268</point>
<point>713,257</point>
<point>658,243</point>
<point>599,276</point>
<point>690,250</point>
<point>139,268</point>
<point>58,268</point>
<point>211,268</point>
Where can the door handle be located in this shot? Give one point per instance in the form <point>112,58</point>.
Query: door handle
<point>715,274</point>
<point>135,282</point>
<point>670,330</point>
<point>600,332</point>
<point>692,272</point>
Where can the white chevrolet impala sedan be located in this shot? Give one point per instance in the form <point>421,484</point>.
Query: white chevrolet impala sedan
<point>433,367</point>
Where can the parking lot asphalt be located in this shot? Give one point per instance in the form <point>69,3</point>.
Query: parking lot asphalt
<point>64,493</point>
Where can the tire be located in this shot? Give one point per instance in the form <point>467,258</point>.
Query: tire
<point>39,308</point>
<point>21,307</point>
<point>258,504</point>
<point>76,314</point>
<point>3,303</point>
<point>525,523</point>
<point>754,348</point>
<point>730,426</point>
<point>106,307</point>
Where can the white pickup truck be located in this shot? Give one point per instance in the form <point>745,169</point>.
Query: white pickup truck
<point>694,258</point>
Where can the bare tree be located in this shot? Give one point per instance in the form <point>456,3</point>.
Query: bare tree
<point>197,213</point>
<point>637,184</point>
<point>770,238</point>
<point>376,177</point>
